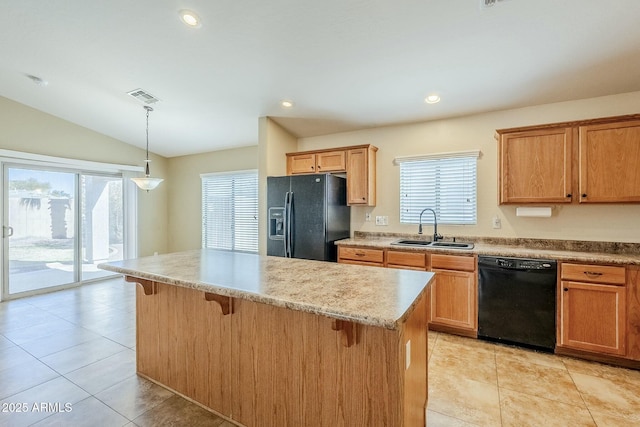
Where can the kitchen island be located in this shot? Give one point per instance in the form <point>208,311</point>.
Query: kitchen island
<point>273,341</point>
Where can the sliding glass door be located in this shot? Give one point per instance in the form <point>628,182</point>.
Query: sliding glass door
<point>41,230</point>
<point>102,224</point>
<point>58,226</point>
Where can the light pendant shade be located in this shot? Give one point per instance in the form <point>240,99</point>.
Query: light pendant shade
<point>147,183</point>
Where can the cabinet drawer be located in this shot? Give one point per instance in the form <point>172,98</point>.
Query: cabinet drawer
<point>406,259</point>
<point>594,273</point>
<point>361,254</point>
<point>453,262</point>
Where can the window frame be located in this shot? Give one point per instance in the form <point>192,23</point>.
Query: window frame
<point>238,242</point>
<point>444,166</point>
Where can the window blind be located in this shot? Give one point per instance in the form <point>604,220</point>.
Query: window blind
<point>230,211</point>
<point>445,183</point>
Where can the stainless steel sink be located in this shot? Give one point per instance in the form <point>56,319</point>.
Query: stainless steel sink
<point>452,245</point>
<point>426,244</point>
<point>403,242</point>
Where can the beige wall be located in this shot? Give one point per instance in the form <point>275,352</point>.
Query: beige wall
<point>185,190</point>
<point>273,143</point>
<point>28,130</point>
<point>579,222</point>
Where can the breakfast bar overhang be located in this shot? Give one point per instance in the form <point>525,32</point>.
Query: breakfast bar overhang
<point>272,341</point>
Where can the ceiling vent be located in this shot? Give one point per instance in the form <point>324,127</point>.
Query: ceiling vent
<point>488,3</point>
<point>143,96</point>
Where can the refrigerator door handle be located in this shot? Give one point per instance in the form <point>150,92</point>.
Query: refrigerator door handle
<point>288,226</point>
<point>285,225</point>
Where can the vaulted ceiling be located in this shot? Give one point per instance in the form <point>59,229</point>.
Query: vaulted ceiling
<point>345,64</point>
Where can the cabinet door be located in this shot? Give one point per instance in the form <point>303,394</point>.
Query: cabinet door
<point>535,166</point>
<point>454,300</point>
<point>609,159</point>
<point>301,163</point>
<point>593,317</point>
<point>331,161</point>
<point>361,186</point>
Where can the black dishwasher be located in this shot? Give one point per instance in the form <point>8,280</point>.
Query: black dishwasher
<point>517,301</point>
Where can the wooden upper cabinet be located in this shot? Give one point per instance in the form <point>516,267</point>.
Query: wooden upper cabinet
<point>303,163</point>
<point>331,161</point>
<point>609,162</point>
<point>361,176</point>
<point>586,161</point>
<point>359,163</point>
<point>535,166</point>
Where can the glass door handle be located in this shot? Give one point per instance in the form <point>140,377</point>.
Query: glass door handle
<point>7,231</point>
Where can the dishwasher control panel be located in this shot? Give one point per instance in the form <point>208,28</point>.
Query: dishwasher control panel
<point>519,263</point>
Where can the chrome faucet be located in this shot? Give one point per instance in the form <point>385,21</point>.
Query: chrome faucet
<point>436,236</point>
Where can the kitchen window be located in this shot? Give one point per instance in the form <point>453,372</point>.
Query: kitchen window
<point>444,182</point>
<point>230,211</point>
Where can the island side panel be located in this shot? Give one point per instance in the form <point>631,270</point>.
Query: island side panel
<point>292,368</point>
<point>183,342</point>
<point>415,385</point>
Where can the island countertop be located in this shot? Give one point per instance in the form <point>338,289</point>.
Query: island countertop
<point>367,295</point>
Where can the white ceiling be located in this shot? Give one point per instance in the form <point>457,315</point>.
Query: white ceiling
<point>347,64</point>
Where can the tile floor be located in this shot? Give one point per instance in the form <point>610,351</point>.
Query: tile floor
<point>77,348</point>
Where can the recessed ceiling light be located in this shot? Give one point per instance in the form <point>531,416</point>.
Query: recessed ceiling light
<point>432,99</point>
<point>286,103</point>
<point>190,18</point>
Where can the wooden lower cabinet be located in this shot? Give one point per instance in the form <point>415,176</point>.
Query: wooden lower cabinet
<point>454,300</point>
<point>633,312</point>
<point>593,317</point>
<point>454,294</point>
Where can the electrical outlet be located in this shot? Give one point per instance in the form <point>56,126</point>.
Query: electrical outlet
<point>367,216</point>
<point>497,223</point>
<point>382,220</point>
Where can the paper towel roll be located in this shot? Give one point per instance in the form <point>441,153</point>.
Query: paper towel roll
<point>537,211</point>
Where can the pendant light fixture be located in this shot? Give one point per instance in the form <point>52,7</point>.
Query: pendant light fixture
<point>147,183</point>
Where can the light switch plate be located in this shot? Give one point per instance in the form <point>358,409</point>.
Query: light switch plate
<point>382,220</point>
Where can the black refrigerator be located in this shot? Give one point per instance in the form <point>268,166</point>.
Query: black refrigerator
<point>307,214</point>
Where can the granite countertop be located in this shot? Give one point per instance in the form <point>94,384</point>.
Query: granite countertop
<point>560,250</point>
<point>368,295</point>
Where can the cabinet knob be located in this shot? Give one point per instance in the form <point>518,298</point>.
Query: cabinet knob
<point>319,167</point>
<point>584,194</point>
<point>312,168</point>
<point>566,289</point>
<point>569,195</point>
